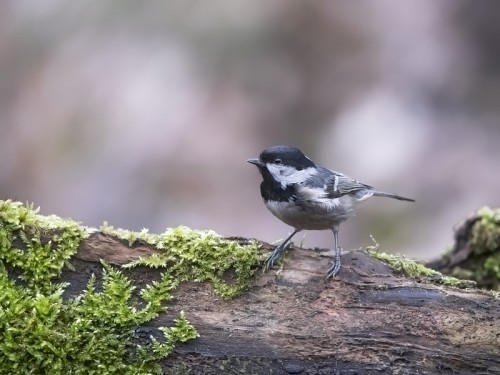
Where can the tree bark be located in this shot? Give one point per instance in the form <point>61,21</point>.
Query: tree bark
<point>368,320</point>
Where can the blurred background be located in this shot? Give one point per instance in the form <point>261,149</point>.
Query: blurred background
<point>143,113</point>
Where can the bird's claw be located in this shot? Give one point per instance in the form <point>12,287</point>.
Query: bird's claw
<point>332,271</point>
<point>335,268</point>
<point>275,255</point>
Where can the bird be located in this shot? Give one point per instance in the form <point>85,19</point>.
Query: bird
<point>306,196</point>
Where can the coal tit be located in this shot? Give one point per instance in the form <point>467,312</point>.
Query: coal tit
<point>309,197</point>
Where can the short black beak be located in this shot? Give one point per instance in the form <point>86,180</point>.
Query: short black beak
<point>256,162</point>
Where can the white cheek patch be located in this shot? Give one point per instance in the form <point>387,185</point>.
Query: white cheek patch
<point>287,175</point>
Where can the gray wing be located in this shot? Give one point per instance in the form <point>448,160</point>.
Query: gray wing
<point>338,184</point>
<point>328,184</point>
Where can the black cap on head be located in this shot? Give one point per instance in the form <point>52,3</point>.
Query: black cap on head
<point>286,155</point>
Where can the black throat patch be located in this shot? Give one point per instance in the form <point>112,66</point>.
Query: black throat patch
<point>271,190</point>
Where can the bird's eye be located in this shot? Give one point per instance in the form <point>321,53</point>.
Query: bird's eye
<point>278,161</point>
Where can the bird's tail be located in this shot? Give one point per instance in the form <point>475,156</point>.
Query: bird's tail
<point>389,195</point>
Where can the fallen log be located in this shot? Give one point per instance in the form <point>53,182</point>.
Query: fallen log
<point>368,320</point>
<point>371,319</point>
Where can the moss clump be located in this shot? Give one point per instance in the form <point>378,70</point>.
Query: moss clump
<point>475,254</point>
<point>49,243</point>
<point>417,270</point>
<point>198,256</point>
<point>93,333</point>
<point>486,232</point>
<point>485,245</point>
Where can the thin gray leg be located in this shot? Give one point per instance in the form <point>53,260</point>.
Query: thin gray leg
<point>332,271</point>
<point>278,251</point>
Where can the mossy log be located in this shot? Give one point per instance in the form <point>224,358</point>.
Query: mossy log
<point>368,320</point>
<point>475,254</point>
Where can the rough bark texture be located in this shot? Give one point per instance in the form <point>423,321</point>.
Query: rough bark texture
<point>366,321</point>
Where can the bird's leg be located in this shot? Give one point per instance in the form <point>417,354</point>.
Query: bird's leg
<point>277,252</point>
<point>332,271</point>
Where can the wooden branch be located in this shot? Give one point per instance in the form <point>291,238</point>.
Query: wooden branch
<point>368,320</point>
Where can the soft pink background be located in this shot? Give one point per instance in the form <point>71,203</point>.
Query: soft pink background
<point>143,113</point>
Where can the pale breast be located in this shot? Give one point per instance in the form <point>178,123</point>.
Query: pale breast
<point>316,214</point>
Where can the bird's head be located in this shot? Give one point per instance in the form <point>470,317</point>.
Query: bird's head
<point>285,164</point>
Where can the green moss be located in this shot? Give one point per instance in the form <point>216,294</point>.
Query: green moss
<point>476,254</point>
<point>486,232</point>
<point>93,333</point>
<point>403,265</point>
<point>49,242</point>
<point>197,256</point>
<point>484,262</point>
<point>413,269</point>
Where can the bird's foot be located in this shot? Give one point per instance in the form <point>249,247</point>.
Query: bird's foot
<point>276,254</point>
<point>334,269</point>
